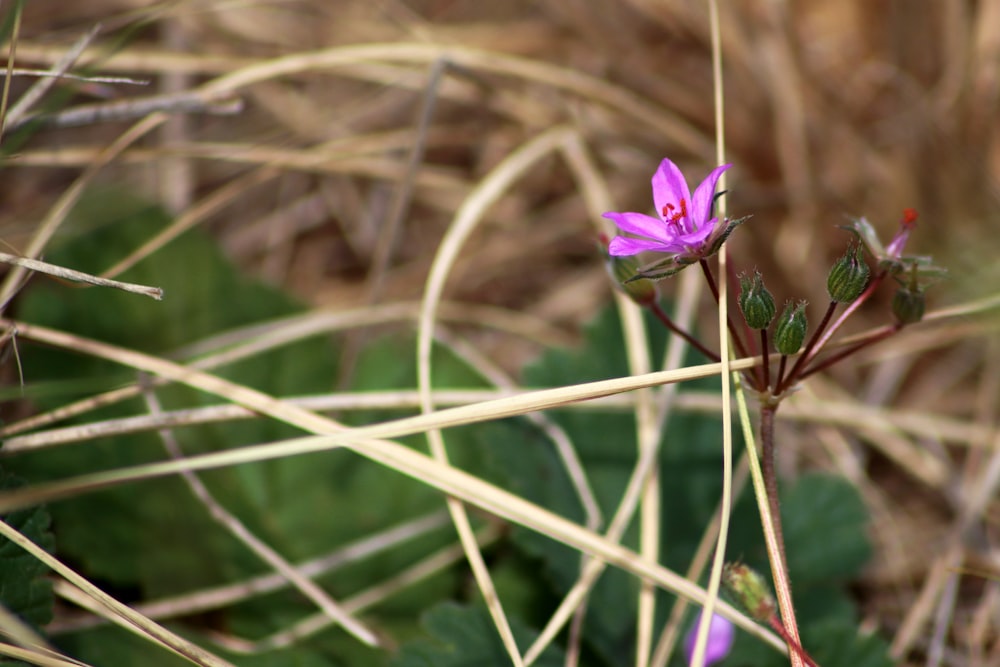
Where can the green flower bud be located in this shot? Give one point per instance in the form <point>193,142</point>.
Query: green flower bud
<point>848,277</point>
<point>749,590</point>
<point>908,305</point>
<point>622,270</point>
<point>791,328</point>
<point>756,302</point>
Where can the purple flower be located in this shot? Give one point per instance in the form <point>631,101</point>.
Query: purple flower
<point>684,226</point>
<point>721,635</point>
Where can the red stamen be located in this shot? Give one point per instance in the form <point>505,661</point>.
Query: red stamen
<point>673,218</point>
<point>909,217</point>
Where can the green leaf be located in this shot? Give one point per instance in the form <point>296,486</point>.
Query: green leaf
<point>824,521</point>
<point>24,590</point>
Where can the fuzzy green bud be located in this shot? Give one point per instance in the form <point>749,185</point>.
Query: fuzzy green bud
<point>756,302</point>
<point>750,591</point>
<point>622,270</point>
<point>908,305</point>
<point>791,328</point>
<point>848,277</point>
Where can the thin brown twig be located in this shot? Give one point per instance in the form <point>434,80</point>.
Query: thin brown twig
<point>389,232</point>
<point>88,114</point>
<point>80,276</point>
<point>44,84</point>
<point>83,78</point>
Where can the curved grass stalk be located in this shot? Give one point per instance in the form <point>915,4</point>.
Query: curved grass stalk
<point>126,616</point>
<point>468,216</point>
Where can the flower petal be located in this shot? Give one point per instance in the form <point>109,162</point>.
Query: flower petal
<point>697,238</point>
<point>701,203</point>
<point>643,225</point>
<point>721,635</point>
<point>622,246</point>
<point>669,186</point>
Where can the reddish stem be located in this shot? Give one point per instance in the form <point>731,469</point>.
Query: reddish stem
<point>669,323</point>
<point>781,373</point>
<point>874,337</point>
<point>741,349</point>
<point>779,629</point>
<point>770,475</point>
<point>766,359</point>
<point>806,358</point>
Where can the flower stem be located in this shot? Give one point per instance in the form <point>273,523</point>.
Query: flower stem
<point>766,359</point>
<point>768,471</point>
<point>779,563</point>
<point>812,351</point>
<point>781,373</point>
<point>874,337</point>
<point>669,323</point>
<point>779,629</point>
<point>741,349</point>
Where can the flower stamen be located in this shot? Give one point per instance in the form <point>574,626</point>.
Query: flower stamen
<point>673,215</point>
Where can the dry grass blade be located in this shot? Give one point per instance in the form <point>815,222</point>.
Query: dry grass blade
<point>222,596</point>
<point>500,408</point>
<point>106,112</point>
<point>11,58</point>
<point>136,621</point>
<point>449,480</point>
<point>726,346</point>
<point>41,87</point>
<point>310,625</point>
<point>59,211</point>
<point>35,657</point>
<point>79,276</point>
<point>261,549</point>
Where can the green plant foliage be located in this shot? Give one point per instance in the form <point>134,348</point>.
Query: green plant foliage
<point>24,590</point>
<point>153,539</point>
<point>464,636</point>
<point>111,646</point>
<point>824,525</point>
<point>119,534</point>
